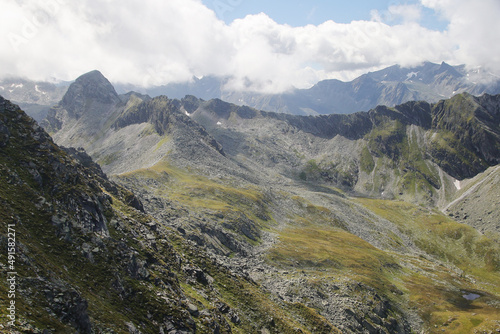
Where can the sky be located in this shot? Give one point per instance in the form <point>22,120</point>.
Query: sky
<point>300,13</point>
<point>264,46</point>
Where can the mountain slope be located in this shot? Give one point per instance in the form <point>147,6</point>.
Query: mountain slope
<point>76,262</point>
<point>476,201</point>
<point>91,115</point>
<point>412,151</point>
<point>89,260</point>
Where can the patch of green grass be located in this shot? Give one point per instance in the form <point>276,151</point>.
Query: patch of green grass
<point>367,164</point>
<point>312,215</point>
<point>332,249</point>
<point>443,307</point>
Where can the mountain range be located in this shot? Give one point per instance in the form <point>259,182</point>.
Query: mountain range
<point>202,216</point>
<point>390,86</point>
<point>35,97</point>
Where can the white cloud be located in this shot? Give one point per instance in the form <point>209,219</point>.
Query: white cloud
<point>474,27</point>
<point>155,42</point>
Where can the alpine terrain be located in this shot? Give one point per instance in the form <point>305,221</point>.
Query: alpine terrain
<point>139,214</point>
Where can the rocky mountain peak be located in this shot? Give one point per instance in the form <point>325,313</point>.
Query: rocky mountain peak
<point>90,86</point>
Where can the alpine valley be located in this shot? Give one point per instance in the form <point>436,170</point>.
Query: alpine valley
<point>139,214</point>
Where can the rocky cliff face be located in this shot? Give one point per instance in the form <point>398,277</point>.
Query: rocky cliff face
<point>68,231</point>
<point>90,88</point>
<point>128,132</point>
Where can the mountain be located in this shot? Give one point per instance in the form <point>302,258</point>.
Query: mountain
<point>421,146</point>
<point>127,132</point>
<point>207,87</point>
<point>35,97</point>
<point>391,86</point>
<point>330,222</point>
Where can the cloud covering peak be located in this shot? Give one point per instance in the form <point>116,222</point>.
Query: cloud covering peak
<point>155,42</point>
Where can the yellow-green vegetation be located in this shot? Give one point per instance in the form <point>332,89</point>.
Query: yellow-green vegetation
<point>195,189</point>
<point>108,159</point>
<point>314,215</point>
<point>367,164</point>
<point>435,290</point>
<point>242,206</point>
<point>334,250</point>
<point>438,296</point>
<point>441,236</point>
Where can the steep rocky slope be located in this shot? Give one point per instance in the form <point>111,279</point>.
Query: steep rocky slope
<point>88,259</point>
<point>269,197</point>
<point>127,132</point>
<point>477,201</point>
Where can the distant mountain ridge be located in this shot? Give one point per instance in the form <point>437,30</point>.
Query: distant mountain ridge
<point>390,86</point>
<point>35,97</point>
